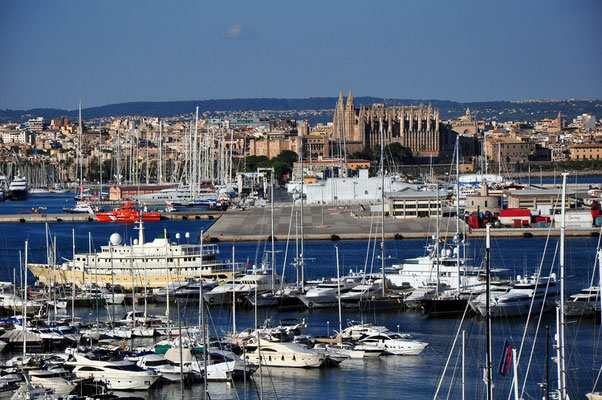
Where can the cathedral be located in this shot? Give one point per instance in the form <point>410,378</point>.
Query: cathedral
<point>415,127</point>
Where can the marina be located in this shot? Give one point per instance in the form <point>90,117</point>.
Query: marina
<point>519,256</point>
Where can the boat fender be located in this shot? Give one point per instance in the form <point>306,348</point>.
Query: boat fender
<point>311,304</point>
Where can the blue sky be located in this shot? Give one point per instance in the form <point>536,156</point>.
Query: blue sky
<point>55,52</point>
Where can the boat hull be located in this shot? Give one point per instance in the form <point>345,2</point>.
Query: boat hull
<point>17,195</point>
<point>45,275</point>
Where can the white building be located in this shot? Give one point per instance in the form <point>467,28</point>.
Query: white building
<point>361,189</point>
<point>15,136</point>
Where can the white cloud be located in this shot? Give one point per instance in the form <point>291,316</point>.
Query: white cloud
<point>238,31</point>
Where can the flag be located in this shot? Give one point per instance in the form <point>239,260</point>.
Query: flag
<point>248,262</point>
<point>505,360</point>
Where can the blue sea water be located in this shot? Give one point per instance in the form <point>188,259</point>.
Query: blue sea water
<point>390,377</point>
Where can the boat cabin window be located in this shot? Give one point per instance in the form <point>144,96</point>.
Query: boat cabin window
<point>155,363</point>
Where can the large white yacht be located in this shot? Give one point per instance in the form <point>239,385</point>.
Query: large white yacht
<point>116,374</point>
<point>325,294</point>
<point>516,301</point>
<point>364,290</point>
<point>142,264</point>
<point>583,303</point>
<point>166,369</point>
<point>181,195</point>
<point>259,279</point>
<point>222,294</point>
<point>422,271</point>
<point>18,188</point>
<point>222,366</point>
<point>284,354</point>
<point>393,343</point>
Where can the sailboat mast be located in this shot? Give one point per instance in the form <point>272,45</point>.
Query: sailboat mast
<point>73,280</point>
<point>458,211</point>
<point>24,307</point>
<point>382,211</point>
<point>233,291</point>
<point>339,291</point>
<point>201,284</point>
<point>437,245</point>
<point>272,223</point>
<point>301,225</point>
<point>194,153</point>
<point>562,323</point>
<point>80,155</point>
<point>230,158</point>
<point>600,279</point>
<point>547,373</point>
<point>488,315</point>
<point>160,159</point>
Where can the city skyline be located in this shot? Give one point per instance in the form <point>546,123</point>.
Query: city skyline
<point>138,51</point>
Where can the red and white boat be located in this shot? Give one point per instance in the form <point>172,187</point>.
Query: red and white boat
<point>127,213</point>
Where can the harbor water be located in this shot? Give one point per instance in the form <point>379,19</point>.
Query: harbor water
<point>390,377</point>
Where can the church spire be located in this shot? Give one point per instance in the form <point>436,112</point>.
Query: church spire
<point>350,99</point>
<point>340,102</point>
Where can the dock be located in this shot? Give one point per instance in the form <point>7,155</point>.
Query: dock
<point>63,217</point>
<point>352,222</point>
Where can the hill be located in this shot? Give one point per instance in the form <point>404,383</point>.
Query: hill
<point>531,110</point>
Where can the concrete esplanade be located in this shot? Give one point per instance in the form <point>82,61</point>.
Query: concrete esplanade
<point>349,222</point>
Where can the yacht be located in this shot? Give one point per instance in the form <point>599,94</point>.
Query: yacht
<point>348,350</point>
<point>116,373</point>
<point>222,366</point>
<point>361,291</point>
<point>421,293</point>
<point>257,279</point>
<point>142,264</point>
<point>165,368</point>
<point>18,188</point>
<point>393,343</point>
<point>191,291</point>
<point>422,271</point>
<point>181,196</point>
<point>325,294</point>
<point>81,207</point>
<point>583,303</point>
<point>3,187</point>
<point>54,377</point>
<point>222,294</point>
<point>284,354</point>
<point>355,330</point>
<point>516,300</point>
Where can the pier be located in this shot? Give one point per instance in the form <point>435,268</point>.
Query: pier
<point>63,217</point>
<point>352,222</point>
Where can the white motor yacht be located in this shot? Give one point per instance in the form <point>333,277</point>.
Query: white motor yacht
<point>420,271</point>
<point>117,374</point>
<point>284,354</point>
<point>54,377</point>
<point>583,303</point>
<point>18,188</point>
<point>516,301</point>
<point>81,207</point>
<point>325,294</point>
<point>166,369</point>
<point>363,290</point>
<point>393,343</point>
<point>222,366</point>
